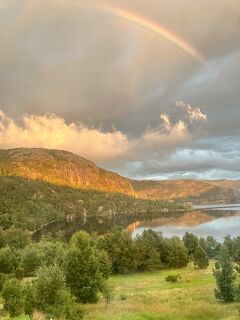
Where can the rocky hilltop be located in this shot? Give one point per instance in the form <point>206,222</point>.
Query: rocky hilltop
<point>61,168</point>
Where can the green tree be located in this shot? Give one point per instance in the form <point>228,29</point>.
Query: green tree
<point>147,253</point>
<point>212,247</point>
<point>83,268</point>
<point>225,277</point>
<point>190,242</point>
<point>66,307</point>
<point>12,296</point>
<point>178,256</point>
<point>16,237</point>
<point>29,299</point>
<point>121,249</point>
<point>49,285</point>
<point>8,260</point>
<point>201,258</point>
<point>30,259</point>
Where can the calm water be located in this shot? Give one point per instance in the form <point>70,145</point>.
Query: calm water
<point>202,222</point>
<point>217,222</point>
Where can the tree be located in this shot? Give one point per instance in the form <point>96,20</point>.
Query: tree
<point>30,259</point>
<point>66,307</point>
<point>201,258</point>
<point>8,260</point>
<point>190,242</point>
<point>147,253</point>
<point>49,285</point>
<point>121,249</point>
<point>84,268</point>
<point>12,296</point>
<point>225,276</point>
<point>16,238</point>
<point>29,299</point>
<point>212,247</point>
<point>178,257</point>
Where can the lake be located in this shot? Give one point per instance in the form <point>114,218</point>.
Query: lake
<point>217,221</point>
<point>203,221</point>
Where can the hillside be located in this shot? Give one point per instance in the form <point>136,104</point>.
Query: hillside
<point>67,169</point>
<point>61,168</point>
<point>232,184</point>
<point>31,204</point>
<point>193,191</point>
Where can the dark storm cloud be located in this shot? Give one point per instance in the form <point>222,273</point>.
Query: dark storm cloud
<point>90,67</point>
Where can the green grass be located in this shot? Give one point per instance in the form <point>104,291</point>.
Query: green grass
<point>21,318</point>
<point>150,297</point>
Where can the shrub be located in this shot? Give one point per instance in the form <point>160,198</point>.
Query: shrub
<point>172,278</point>
<point>123,297</point>
<point>12,296</point>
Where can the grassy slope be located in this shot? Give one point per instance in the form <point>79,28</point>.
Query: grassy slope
<point>150,297</point>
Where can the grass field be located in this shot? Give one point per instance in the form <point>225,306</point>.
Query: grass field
<point>147,296</point>
<point>150,297</point>
<point>21,318</point>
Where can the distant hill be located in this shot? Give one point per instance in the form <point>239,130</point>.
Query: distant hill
<point>190,191</point>
<point>232,184</point>
<point>62,168</point>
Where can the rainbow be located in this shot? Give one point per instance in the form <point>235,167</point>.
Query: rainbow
<point>157,29</point>
<point>150,26</point>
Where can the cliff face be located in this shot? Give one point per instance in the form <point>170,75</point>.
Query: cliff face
<point>61,168</point>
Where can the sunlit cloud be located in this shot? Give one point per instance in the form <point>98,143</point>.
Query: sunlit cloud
<point>51,131</point>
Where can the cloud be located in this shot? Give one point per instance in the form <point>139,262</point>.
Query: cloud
<point>194,113</point>
<point>51,131</point>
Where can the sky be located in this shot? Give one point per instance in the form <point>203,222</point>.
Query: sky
<point>148,89</point>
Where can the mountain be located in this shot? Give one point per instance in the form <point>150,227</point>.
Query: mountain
<point>188,191</point>
<point>61,168</point>
<point>41,187</point>
<point>64,168</point>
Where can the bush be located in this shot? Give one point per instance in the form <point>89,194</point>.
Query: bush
<point>19,273</point>
<point>12,296</point>
<point>123,297</point>
<point>29,299</point>
<point>172,278</point>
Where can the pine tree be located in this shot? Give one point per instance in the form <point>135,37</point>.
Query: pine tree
<point>225,276</point>
<point>201,258</point>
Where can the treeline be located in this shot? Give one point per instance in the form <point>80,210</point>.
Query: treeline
<point>62,277</point>
<point>29,204</point>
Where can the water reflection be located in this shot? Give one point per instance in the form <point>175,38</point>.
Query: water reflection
<point>217,223</point>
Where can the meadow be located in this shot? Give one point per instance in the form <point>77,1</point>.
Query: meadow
<point>148,296</point>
